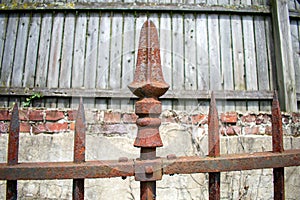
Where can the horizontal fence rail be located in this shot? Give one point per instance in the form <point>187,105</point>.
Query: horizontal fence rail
<point>171,94</point>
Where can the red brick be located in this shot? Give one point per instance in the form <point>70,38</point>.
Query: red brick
<point>231,130</point>
<point>249,118</point>
<point>199,119</point>
<point>4,115</point>
<point>112,117</point>
<point>268,130</point>
<point>295,117</point>
<point>50,127</point>
<point>36,115</point>
<point>25,127</point>
<point>229,117</point>
<point>72,115</point>
<point>3,127</point>
<point>54,115</point>
<point>24,115</point>
<point>251,130</point>
<point>72,126</point>
<point>129,118</point>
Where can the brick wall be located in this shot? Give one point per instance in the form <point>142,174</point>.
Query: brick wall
<point>113,122</point>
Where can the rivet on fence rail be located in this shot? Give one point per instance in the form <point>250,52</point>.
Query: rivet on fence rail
<point>79,150</point>
<point>277,143</point>
<point>13,151</point>
<point>213,148</point>
<point>148,85</point>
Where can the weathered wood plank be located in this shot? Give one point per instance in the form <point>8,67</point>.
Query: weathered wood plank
<point>215,79</point>
<point>296,49</point>
<point>214,53</point>
<point>166,54</point>
<point>292,4</point>
<point>250,59</point>
<point>67,57</point>
<point>190,70</point>
<point>128,59</point>
<point>79,55</point>
<point>202,58</point>
<point>103,57</point>
<point>91,51</point>
<point>115,67</point>
<point>238,58</point>
<point>223,2</point>
<point>20,50</point>
<point>271,53</point>
<point>226,58</point>
<point>79,51</point>
<point>3,25</point>
<point>234,2</point>
<point>55,51</point>
<point>178,57</point>
<point>171,94</point>
<point>55,56</point>
<point>32,51</point>
<point>284,60</point>
<point>212,2</point>
<point>178,6</point>
<point>67,51</point>
<point>263,75</point>
<point>91,56</point>
<point>44,51</point>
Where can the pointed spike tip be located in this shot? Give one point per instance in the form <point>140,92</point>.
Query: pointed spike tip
<point>148,78</point>
<point>212,99</point>
<point>275,95</point>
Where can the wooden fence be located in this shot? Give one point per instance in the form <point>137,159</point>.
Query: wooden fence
<point>67,49</point>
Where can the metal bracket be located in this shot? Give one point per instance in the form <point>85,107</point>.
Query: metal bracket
<point>148,170</point>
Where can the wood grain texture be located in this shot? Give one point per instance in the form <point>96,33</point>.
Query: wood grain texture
<point>44,51</point>
<point>20,50</point>
<point>9,49</point>
<point>284,59</point>
<point>32,50</point>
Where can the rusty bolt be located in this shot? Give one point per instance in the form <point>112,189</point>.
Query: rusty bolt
<point>123,159</point>
<point>171,156</point>
<point>148,169</point>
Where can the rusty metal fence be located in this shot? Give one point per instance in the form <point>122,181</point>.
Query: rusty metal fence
<point>149,85</point>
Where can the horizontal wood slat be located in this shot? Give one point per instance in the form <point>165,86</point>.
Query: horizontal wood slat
<point>125,93</point>
<point>137,6</point>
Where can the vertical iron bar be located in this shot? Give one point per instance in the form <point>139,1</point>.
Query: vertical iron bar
<point>13,150</point>
<point>79,150</point>
<point>277,143</point>
<point>213,148</point>
<point>148,188</point>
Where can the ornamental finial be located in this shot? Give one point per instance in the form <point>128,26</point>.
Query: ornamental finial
<point>148,78</point>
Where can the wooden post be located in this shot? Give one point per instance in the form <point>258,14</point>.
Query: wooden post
<point>283,53</point>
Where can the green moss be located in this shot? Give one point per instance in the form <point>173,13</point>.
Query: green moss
<point>19,6</point>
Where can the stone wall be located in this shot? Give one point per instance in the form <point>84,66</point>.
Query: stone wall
<point>47,135</point>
